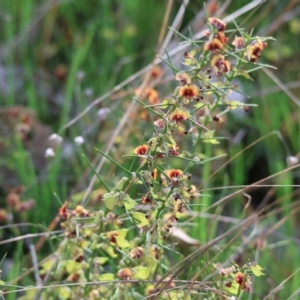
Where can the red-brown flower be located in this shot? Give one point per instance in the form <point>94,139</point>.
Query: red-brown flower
<point>183,78</point>
<point>173,152</point>
<point>111,235</point>
<point>3,215</point>
<point>254,51</point>
<point>188,91</point>
<point>240,278</point>
<point>146,199</point>
<point>217,119</point>
<point>174,173</point>
<point>154,174</point>
<point>213,45</point>
<point>81,211</point>
<point>220,64</point>
<point>141,150</point>
<point>178,116</point>
<point>149,93</point>
<point>221,36</point>
<point>63,213</point>
<point>125,274</point>
<point>156,72</point>
<point>219,24</point>
<point>238,43</point>
<point>137,252</point>
<point>159,123</point>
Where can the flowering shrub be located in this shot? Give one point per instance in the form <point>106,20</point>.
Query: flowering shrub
<point>122,250</point>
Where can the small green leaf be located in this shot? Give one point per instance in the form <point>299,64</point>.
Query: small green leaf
<point>233,288</point>
<point>129,203</point>
<point>48,265</point>
<point>140,217</point>
<point>100,260</point>
<point>30,294</point>
<point>110,200</point>
<point>233,104</point>
<point>123,232</point>
<point>208,134</point>
<point>121,183</point>
<point>152,264</point>
<point>110,251</point>
<point>208,137</point>
<point>243,73</point>
<point>72,266</point>
<point>141,273</point>
<point>64,292</point>
<point>173,142</point>
<point>256,269</point>
<point>106,277</point>
<point>210,141</point>
<point>122,243</point>
<point>166,103</point>
<point>189,62</point>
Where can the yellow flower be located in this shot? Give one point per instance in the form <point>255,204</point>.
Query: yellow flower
<point>188,91</point>
<point>213,45</point>
<point>141,150</point>
<point>219,24</point>
<point>178,116</point>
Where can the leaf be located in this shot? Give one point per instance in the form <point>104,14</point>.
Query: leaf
<point>173,142</point>
<point>110,251</point>
<point>176,295</point>
<point>166,103</point>
<point>234,288</point>
<point>141,273</point>
<point>100,260</point>
<point>29,294</point>
<point>151,263</point>
<point>72,266</point>
<point>207,137</point>
<point>64,292</point>
<point>294,25</point>
<point>110,200</point>
<point>106,277</point>
<point>140,217</point>
<point>208,134</point>
<point>200,105</point>
<point>129,203</point>
<point>201,156</point>
<point>121,183</point>
<point>122,243</point>
<point>243,73</point>
<point>189,62</point>
<point>256,269</point>
<point>233,104</point>
<point>211,141</point>
<point>48,265</point>
<point>123,232</point>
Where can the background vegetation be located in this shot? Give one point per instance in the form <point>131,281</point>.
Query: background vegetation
<point>61,58</point>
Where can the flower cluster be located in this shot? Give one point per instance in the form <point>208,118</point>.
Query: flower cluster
<point>238,279</point>
<point>146,207</point>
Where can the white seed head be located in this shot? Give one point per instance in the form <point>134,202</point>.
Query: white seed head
<point>79,140</point>
<point>292,160</point>
<point>49,152</point>
<point>88,92</point>
<point>102,113</point>
<point>80,75</point>
<point>55,139</point>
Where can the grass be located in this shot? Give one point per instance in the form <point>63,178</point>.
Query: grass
<point>44,46</point>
